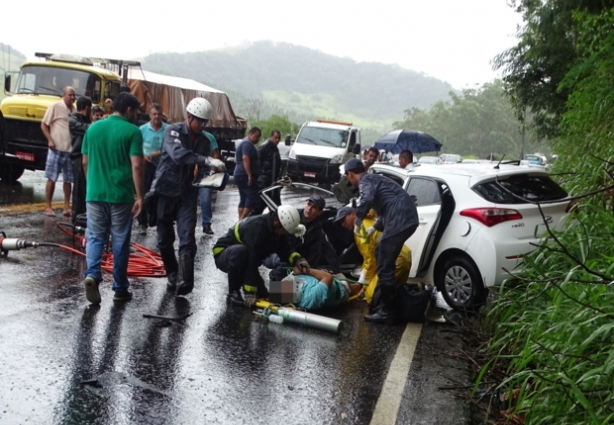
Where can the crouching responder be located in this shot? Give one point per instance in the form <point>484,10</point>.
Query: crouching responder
<point>314,246</point>
<point>398,220</point>
<point>184,147</point>
<point>314,289</point>
<point>241,251</point>
<point>367,246</point>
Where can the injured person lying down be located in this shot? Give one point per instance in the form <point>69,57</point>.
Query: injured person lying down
<point>312,289</point>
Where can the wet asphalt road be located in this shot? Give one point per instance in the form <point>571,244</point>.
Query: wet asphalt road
<point>222,365</point>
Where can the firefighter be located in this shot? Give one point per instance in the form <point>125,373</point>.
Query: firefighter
<point>185,146</point>
<point>241,251</point>
<point>398,220</point>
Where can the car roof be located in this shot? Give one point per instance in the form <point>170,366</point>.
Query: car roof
<point>474,172</point>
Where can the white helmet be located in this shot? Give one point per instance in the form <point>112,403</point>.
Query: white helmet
<point>200,108</point>
<point>290,220</point>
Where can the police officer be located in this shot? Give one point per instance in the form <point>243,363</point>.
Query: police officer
<point>398,220</point>
<point>241,251</point>
<point>184,147</point>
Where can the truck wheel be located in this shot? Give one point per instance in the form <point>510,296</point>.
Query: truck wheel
<point>460,283</point>
<point>11,173</point>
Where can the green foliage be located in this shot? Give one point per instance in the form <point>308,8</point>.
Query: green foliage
<point>295,80</point>
<point>276,122</point>
<point>476,123</point>
<point>554,329</point>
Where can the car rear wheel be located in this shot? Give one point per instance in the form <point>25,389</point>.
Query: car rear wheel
<point>11,173</point>
<point>460,283</point>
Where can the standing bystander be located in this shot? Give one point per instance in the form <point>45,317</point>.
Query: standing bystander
<point>406,160</point>
<point>270,168</point>
<point>55,129</point>
<point>79,122</point>
<point>153,135</point>
<point>113,164</point>
<point>372,155</point>
<point>247,171</point>
<point>97,113</point>
<point>206,193</point>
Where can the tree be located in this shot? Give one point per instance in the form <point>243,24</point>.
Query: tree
<point>276,122</point>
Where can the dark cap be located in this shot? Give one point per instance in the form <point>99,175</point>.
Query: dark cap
<point>354,165</point>
<point>317,200</point>
<point>343,211</point>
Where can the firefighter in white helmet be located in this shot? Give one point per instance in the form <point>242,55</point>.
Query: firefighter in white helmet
<point>185,146</point>
<point>241,251</point>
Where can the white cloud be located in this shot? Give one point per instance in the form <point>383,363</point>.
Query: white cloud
<point>448,39</point>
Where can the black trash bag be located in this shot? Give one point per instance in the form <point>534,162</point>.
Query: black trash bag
<point>410,302</point>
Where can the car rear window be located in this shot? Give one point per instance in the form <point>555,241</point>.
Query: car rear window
<point>532,188</point>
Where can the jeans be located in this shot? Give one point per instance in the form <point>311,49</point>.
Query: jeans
<point>102,218</point>
<point>204,194</point>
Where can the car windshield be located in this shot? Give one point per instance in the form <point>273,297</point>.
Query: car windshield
<point>52,80</point>
<point>323,137</point>
<point>530,188</point>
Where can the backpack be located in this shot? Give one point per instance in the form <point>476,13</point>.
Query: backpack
<point>410,303</point>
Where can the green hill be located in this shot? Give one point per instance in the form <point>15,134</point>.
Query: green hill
<point>307,82</point>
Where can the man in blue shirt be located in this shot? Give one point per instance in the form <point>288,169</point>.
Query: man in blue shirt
<point>153,135</point>
<point>205,193</point>
<point>247,171</point>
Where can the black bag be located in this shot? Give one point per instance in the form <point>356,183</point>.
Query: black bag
<point>411,303</point>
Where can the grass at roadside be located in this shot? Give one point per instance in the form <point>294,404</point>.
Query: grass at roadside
<point>552,331</point>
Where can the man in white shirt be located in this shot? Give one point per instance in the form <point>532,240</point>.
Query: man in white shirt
<point>406,160</point>
<point>55,129</point>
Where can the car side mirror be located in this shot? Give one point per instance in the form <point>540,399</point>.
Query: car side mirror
<point>7,83</point>
<point>288,140</point>
<point>356,149</point>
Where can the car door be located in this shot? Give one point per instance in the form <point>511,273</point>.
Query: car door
<point>427,196</point>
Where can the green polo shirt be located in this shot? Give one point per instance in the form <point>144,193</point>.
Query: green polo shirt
<point>109,144</point>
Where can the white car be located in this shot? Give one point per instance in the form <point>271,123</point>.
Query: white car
<point>472,226</point>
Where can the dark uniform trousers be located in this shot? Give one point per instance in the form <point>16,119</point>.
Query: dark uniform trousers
<point>181,209</point>
<point>387,252</point>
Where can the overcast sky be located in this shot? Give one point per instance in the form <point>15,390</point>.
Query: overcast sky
<point>453,40</point>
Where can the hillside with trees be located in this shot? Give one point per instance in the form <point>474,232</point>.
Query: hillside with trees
<point>294,80</point>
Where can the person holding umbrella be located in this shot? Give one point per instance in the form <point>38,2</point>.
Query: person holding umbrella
<point>398,220</point>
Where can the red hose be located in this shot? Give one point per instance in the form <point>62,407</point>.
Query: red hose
<point>142,262</point>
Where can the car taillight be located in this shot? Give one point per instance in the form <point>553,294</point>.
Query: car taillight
<point>491,216</point>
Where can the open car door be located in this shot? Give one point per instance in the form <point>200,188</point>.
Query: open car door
<point>427,196</point>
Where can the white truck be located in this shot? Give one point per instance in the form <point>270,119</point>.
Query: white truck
<point>320,148</point>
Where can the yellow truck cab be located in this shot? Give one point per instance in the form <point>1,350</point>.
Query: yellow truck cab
<point>38,85</point>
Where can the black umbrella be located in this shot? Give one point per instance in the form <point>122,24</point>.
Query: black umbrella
<point>412,140</point>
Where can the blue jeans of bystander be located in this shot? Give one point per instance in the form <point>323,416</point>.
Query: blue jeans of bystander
<point>104,218</point>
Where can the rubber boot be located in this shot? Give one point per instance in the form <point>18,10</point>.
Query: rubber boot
<point>235,277</point>
<point>171,267</point>
<point>384,311</point>
<point>186,274</point>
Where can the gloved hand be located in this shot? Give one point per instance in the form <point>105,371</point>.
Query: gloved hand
<point>303,265</point>
<point>362,279</point>
<point>358,231</point>
<point>369,231</point>
<point>249,300</point>
<point>216,163</point>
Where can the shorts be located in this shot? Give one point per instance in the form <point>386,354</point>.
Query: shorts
<point>248,195</point>
<point>58,162</point>
<point>345,290</point>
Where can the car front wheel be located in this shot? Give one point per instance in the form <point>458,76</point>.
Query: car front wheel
<point>460,283</point>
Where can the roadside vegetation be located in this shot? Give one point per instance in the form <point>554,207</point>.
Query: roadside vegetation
<point>548,353</point>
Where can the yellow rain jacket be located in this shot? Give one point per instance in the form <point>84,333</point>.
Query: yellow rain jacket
<point>367,247</point>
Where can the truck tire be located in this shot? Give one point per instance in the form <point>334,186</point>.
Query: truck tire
<point>11,173</point>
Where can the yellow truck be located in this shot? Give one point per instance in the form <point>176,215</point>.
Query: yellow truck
<point>40,84</point>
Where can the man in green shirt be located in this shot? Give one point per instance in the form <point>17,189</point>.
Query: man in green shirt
<point>113,164</point>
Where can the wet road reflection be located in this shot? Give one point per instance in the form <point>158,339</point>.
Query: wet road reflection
<point>221,365</point>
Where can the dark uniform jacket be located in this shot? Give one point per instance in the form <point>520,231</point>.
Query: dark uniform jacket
<point>270,164</point>
<point>314,245</point>
<point>392,204</point>
<point>257,234</point>
<point>175,172</point>
<point>77,124</point>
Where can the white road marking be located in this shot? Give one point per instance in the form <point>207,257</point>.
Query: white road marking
<point>387,406</point>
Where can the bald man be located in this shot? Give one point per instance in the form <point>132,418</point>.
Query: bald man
<point>56,130</point>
